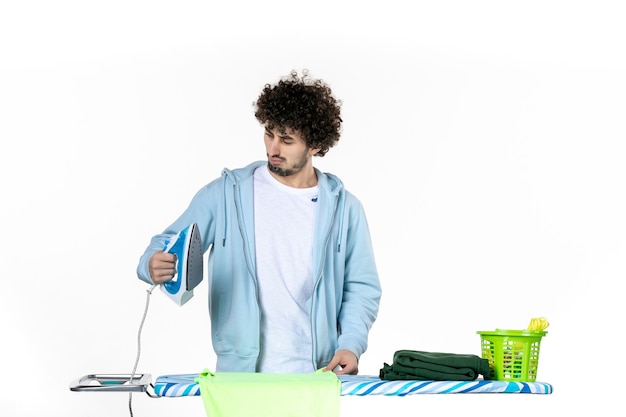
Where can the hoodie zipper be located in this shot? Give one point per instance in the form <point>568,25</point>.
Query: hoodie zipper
<point>318,279</point>
<point>244,238</point>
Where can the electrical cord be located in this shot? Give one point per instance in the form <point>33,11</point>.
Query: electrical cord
<point>132,375</point>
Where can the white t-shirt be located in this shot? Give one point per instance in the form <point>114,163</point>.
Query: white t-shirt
<point>284,219</point>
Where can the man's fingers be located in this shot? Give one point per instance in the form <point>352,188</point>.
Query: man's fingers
<point>162,267</point>
<point>332,364</point>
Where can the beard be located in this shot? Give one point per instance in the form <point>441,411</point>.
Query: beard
<point>295,168</point>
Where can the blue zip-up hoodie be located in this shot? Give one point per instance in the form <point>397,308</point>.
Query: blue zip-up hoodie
<point>347,290</point>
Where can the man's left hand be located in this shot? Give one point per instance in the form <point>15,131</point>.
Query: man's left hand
<point>346,361</point>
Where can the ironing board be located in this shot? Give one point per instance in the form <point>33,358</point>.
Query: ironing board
<point>183,385</point>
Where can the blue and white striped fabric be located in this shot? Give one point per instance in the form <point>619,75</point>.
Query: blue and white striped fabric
<point>183,385</point>
<point>372,385</point>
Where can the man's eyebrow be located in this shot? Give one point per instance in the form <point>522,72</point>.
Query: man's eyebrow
<point>282,134</point>
<point>285,135</point>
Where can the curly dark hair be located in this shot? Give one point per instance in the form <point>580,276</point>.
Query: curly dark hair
<point>303,104</point>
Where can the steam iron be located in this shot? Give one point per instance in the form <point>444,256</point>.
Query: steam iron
<point>187,246</point>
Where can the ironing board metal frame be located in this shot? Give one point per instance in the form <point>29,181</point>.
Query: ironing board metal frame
<point>113,383</point>
<point>184,385</point>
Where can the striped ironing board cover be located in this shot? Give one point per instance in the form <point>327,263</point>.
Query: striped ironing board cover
<point>183,385</point>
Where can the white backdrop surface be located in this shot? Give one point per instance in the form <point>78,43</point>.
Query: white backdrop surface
<point>485,140</point>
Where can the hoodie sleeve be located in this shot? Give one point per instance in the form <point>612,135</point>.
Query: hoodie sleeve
<point>201,210</point>
<point>361,288</point>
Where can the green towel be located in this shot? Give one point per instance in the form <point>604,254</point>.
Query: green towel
<point>241,394</point>
<point>413,364</point>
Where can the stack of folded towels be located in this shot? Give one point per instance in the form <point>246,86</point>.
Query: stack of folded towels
<point>414,364</point>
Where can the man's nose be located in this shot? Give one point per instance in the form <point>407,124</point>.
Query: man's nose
<point>274,147</point>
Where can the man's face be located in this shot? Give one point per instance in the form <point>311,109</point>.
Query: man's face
<point>287,153</point>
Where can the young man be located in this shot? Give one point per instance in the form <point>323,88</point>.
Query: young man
<point>293,285</point>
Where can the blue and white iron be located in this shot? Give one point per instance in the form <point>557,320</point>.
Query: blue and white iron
<point>187,246</point>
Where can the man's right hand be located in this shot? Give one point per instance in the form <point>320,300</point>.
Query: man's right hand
<point>162,267</point>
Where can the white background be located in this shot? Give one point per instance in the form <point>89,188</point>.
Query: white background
<point>484,138</point>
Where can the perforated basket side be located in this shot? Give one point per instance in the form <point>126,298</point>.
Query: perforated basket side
<point>512,357</point>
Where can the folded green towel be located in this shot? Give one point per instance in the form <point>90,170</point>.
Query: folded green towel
<point>413,364</point>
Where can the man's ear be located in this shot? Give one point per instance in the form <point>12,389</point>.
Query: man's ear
<point>313,151</point>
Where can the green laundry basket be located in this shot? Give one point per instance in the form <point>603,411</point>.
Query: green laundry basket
<point>513,355</point>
